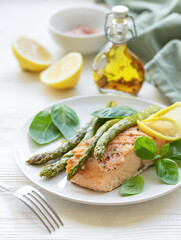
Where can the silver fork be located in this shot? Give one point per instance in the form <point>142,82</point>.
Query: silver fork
<point>37,203</point>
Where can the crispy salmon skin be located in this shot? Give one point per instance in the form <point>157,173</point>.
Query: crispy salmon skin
<point>117,165</point>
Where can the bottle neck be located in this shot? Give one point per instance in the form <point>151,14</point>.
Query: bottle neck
<point>119,30</point>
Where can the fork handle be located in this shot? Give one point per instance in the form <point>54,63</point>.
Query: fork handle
<point>4,186</point>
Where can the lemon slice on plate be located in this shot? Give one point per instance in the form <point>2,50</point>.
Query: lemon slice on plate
<point>161,127</point>
<point>30,54</point>
<point>165,124</point>
<point>173,112</point>
<point>65,73</point>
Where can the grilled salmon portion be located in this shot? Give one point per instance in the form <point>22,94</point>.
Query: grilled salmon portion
<point>117,165</point>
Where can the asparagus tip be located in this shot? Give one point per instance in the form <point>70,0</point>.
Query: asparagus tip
<point>68,177</point>
<point>46,172</point>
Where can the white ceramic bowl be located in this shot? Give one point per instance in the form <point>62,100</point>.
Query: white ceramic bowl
<point>66,18</point>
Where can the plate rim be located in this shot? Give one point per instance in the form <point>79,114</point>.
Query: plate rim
<point>88,202</point>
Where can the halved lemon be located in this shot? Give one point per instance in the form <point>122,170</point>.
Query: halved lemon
<point>65,73</point>
<point>162,127</point>
<point>30,54</point>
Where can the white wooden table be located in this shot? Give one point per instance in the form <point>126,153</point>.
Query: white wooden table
<point>21,94</point>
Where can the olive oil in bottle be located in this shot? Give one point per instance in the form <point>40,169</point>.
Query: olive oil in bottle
<point>118,70</point>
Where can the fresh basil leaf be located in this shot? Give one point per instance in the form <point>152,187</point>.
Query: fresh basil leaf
<point>167,170</point>
<point>42,129</point>
<point>145,148</point>
<point>174,152</point>
<point>114,112</point>
<point>156,157</point>
<point>132,186</point>
<point>164,149</point>
<point>65,119</point>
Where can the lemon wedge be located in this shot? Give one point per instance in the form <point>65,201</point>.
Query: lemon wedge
<point>30,54</point>
<point>173,112</point>
<point>162,127</point>
<point>165,124</point>
<point>65,73</point>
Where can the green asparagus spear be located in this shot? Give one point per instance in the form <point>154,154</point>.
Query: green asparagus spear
<point>74,170</point>
<point>122,125</point>
<point>52,170</point>
<point>65,147</point>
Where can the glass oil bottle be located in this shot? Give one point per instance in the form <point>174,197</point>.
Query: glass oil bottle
<point>118,70</point>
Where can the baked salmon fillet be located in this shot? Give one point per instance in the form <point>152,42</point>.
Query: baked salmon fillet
<point>117,165</point>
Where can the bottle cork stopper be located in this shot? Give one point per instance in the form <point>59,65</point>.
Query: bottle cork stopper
<point>120,11</point>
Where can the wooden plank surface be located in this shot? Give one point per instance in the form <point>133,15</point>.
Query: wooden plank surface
<point>21,94</point>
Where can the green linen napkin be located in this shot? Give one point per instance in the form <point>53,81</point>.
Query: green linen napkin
<point>158,43</point>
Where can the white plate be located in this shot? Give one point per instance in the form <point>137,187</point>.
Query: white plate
<point>25,147</point>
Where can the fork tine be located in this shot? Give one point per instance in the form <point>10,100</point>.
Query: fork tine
<point>39,210</point>
<point>48,204</point>
<point>34,211</point>
<point>36,198</point>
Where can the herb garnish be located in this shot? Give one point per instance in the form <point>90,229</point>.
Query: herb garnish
<point>164,150</point>
<point>174,152</point>
<point>145,148</point>
<point>47,127</point>
<point>167,170</point>
<point>132,186</point>
<point>114,112</point>
<point>42,128</point>
<point>166,167</point>
<point>65,119</point>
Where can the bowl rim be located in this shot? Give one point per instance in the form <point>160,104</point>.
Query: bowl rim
<point>69,35</point>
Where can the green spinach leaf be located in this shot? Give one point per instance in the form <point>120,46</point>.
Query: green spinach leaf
<point>114,112</point>
<point>146,148</point>
<point>132,186</point>
<point>174,152</point>
<point>167,170</point>
<point>65,119</point>
<point>42,129</point>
